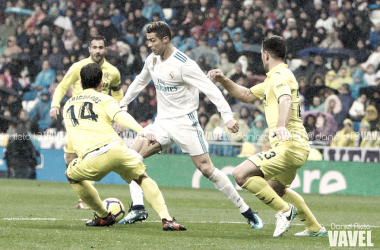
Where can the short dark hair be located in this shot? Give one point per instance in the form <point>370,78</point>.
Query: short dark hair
<point>98,38</point>
<point>161,29</point>
<point>91,75</point>
<point>276,47</point>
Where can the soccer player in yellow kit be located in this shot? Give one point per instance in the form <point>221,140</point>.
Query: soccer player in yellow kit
<point>88,118</point>
<point>268,174</point>
<point>111,77</point>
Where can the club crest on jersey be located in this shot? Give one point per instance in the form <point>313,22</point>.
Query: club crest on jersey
<point>171,74</point>
<point>106,76</point>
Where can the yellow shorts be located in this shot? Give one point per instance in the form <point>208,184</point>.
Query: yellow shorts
<point>68,148</point>
<point>281,163</point>
<point>118,159</point>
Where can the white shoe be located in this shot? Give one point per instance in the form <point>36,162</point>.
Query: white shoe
<point>283,220</point>
<point>321,233</point>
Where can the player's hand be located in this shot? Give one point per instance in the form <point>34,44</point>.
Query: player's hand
<point>282,134</point>
<point>151,138</point>
<point>215,74</point>
<point>119,128</point>
<point>233,126</point>
<point>54,112</point>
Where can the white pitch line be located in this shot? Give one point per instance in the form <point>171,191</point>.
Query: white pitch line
<point>154,221</point>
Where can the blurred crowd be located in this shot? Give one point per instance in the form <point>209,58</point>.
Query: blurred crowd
<point>332,50</point>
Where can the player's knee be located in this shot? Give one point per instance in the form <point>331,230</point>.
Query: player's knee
<point>206,168</point>
<point>68,178</point>
<point>239,177</point>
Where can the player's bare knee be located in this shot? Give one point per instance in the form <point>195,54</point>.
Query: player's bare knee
<point>239,177</point>
<point>69,179</point>
<point>205,167</point>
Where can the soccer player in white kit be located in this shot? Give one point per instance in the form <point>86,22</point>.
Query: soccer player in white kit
<point>177,80</point>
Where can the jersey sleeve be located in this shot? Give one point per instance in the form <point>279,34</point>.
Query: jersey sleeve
<point>279,85</point>
<point>193,75</point>
<point>259,90</point>
<point>70,78</point>
<point>116,91</point>
<point>123,118</point>
<point>136,86</point>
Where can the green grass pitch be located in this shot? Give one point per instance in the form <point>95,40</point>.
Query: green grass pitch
<point>42,215</point>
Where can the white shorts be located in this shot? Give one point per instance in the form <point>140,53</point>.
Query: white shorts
<point>185,131</point>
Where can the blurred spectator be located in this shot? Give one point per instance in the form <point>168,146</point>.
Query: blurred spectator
<point>2,45</point>
<point>357,110</point>
<point>108,30</point>
<point>224,65</point>
<point>139,20</point>
<point>20,145</point>
<point>8,81</point>
<point>309,124</point>
<point>366,139</point>
<point>231,28</point>
<point>304,69</point>
<point>318,67</point>
<point>247,150</point>
<point>203,120</point>
<point>371,116</point>
<point>370,75</point>
<point>40,113</point>
<point>55,58</point>
<point>221,150</point>
<point>118,20</point>
<point>357,83</point>
<point>336,64</point>
<point>279,11</point>
<point>331,41</point>
<point>363,23</point>
<point>12,104</point>
<point>77,51</point>
<point>333,106</point>
<point>361,52</point>
<point>79,29</point>
<point>68,39</point>
<point>150,8</point>
<point>141,110</point>
<point>213,123</point>
<point>324,21</point>
<point>346,99</point>
<point>37,16</point>
<point>295,43</point>
<point>24,119</point>
<point>45,78</point>
<point>352,65</point>
<point>374,37</point>
<point>342,78</point>
<point>12,47</point>
<point>257,129</point>
<point>231,52</point>
<point>350,35</point>
<point>330,78</point>
<point>317,104</point>
<point>345,137</point>
<point>7,28</point>
<point>238,72</point>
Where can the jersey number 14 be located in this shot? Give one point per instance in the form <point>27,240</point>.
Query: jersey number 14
<point>85,112</point>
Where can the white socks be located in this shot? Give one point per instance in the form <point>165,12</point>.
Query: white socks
<point>224,185</point>
<point>136,194</point>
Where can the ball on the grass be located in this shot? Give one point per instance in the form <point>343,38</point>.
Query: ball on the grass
<point>116,207</point>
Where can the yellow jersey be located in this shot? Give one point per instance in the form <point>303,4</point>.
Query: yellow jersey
<point>88,118</point>
<point>111,79</point>
<point>281,81</point>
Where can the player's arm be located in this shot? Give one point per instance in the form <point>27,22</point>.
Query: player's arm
<point>116,90</point>
<point>283,94</point>
<point>193,75</point>
<point>123,118</point>
<point>241,93</point>
<point>70,78</point>
<point>136,86</point>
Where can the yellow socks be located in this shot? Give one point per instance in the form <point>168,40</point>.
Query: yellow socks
<point>304,213</point>
<point>90,196</point>
<point>154,197</point>
<point>261,189</point>
<point>92,183</point>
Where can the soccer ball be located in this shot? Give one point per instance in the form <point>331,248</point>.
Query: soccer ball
<point>116,207</point>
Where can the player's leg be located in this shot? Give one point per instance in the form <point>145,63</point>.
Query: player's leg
<point>137,212</point>
<point>133,169</point>
<point>69,156</point>
<point>224,185</point>
<point>78,172</point>
<point>313,228</point>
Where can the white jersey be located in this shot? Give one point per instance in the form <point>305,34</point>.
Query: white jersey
<point>177,81</point>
